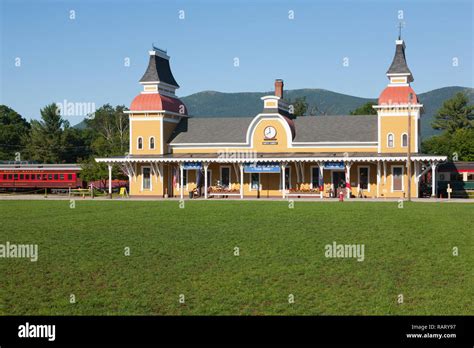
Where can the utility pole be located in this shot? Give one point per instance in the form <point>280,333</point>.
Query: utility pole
<point>410,98</point>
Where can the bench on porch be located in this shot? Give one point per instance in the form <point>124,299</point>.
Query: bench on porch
<point>218,190</point>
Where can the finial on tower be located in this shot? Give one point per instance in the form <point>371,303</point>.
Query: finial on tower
<point>400,26</point>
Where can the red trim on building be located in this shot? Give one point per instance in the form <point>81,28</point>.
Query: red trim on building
<point>155,101</point>
<point>397,95</point>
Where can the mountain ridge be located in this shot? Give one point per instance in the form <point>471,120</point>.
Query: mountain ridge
<point>320,102</point>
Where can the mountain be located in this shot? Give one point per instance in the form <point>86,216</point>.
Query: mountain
<point>433,100</point>
<point>217,104</point>
<point>320,101</point>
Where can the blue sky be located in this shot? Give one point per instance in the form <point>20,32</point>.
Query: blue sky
<point>82,60</point>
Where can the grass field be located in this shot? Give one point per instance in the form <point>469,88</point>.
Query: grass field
<point>190,251</point>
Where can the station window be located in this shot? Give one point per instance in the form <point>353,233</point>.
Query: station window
<point>404,140</point>
<point>390,140</point>
<point>314,177</point>
<point>255,181</point>
<point>152,143</point>
<point>185,177</point>
<point>209,177</point>
<point>364,178</point>
<point>140,143</point>
<point>225,176</point>
<point>146,179</point>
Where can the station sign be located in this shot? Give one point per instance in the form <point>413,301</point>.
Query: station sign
<point>262,168</point>
<point>334,165</point>
<point>192,166</point>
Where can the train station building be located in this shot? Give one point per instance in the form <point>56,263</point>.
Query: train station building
<point>272,154</point>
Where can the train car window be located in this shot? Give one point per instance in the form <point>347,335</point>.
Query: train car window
<point>69,176</point>
<point>15,176</point>
<point>5,176</point>
<point>21,177</point>
<point>50,176</point>
<point>61,176</point>
<point>44,176</point>
<point>27,176</point>
<point>10,176</point>
<point>56,176</point>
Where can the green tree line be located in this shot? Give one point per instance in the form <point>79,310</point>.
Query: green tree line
<point>51,139</point>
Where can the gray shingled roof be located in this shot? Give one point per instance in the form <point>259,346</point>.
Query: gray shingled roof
<point>336,128</point>
<point>211,130</point>
<point>308,129</point>
<point>399,63</point>
<point>159,70</point>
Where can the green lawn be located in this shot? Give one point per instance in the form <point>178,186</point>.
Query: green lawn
<point>190,251</point>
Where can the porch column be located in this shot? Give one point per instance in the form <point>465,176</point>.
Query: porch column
<point>384,173</point>
<point>283,184</point>
<point>205,166</point>
<point>433,179</point>
<point>417,172</point>
<point>379,169</point>
<point>348,179</point>
<point>241,180</point>
<point>321,178</point>
<point>181,189</point>
<point>110,179</point>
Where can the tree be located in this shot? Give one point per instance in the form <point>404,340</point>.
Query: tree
<point>298,107</point>
<point>458,146</point>
<point>94,171</point>
<point>110,130</point>
<point>46,142</point>
<point>456,113</point>
<point>366,109</point>
<point>13,132</point>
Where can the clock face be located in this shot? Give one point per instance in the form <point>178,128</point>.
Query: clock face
<point>269,132</point>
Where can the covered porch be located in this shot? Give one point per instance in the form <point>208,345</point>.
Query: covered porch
<point>276,175</point>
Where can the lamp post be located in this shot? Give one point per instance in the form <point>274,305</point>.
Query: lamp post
<point>410,98</point>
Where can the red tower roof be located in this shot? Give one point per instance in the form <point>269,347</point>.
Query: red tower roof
<point>397,95</point>
<point>155,101</point>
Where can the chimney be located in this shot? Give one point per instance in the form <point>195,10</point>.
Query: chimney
<point>279,88</point>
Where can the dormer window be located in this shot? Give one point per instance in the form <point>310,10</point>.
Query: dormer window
<point>152,143</point>
<point>390,140</point>
<point>404,140</point>
<point>140,143</point>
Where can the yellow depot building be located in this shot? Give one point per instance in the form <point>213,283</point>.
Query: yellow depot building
<point>272,154</point>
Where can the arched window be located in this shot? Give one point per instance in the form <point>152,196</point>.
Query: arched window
<point>404,140</point>
<point>140,143</point>
<point>152,143</point>
<point>390,140</point>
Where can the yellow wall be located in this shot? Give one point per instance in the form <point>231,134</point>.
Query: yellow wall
<point>145,129</point>
<point>397,125</point>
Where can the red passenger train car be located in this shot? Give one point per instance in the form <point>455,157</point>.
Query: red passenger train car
<point>35,176</point>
